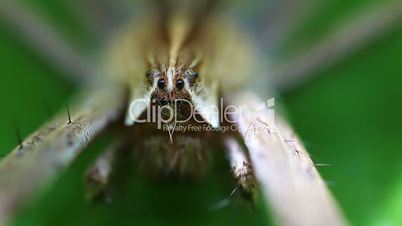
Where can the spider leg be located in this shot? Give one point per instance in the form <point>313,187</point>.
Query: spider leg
<point>348,37</point>
<point>45,41</point>
<point>101,16</point>
<point>98,174</point>
<point>281,19</point>
<point>54,146</point>
<point>241,167</point>
<point>287,177</point>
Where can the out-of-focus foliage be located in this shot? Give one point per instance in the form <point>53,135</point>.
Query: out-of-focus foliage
<point>348,117</point>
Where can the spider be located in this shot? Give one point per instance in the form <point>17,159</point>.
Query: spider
<point>166,74</point>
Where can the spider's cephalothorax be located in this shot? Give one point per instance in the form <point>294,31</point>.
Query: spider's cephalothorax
<point>179,63</point>
<point>175,72</point>
<point>171,90</point>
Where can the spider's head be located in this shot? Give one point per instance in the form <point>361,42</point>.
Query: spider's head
<point>172,89</point>
<point>176,94</point>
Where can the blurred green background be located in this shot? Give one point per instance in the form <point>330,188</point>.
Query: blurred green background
<point>349,116</point>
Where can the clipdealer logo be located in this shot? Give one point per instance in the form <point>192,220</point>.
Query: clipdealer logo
<point>225,113</point>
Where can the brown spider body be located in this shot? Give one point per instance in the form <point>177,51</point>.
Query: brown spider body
<point>188,153</point>
<point>178,64</point>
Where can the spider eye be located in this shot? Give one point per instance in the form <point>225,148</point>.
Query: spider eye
<point>149,73</point>
<point>179,84</point>
<point>161,84</point>
<point>195,74</point>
